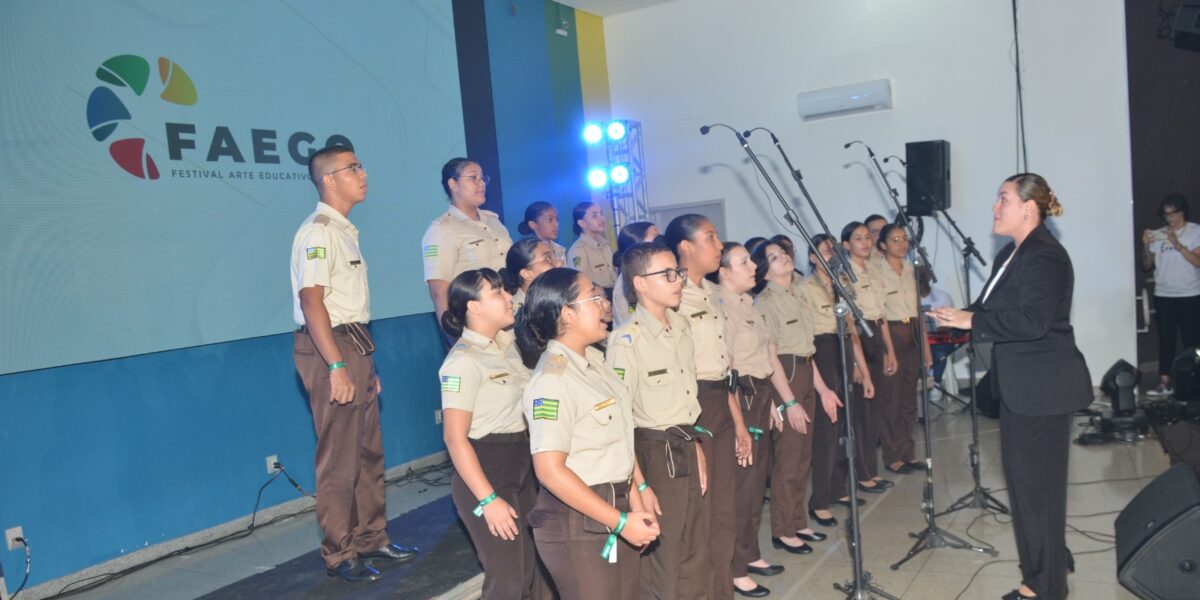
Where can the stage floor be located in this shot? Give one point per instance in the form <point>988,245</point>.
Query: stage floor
<point>1105,478</point>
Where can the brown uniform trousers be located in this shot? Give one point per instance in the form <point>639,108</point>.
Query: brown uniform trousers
<point>897,417</point>
<point>675,565</point>
<point>570,545</point>
<point>793,453</point>
<point>509,567</point>
<point>722,468</point>
<point>866,430</point>
<point>828,470</point>
<point>755,401</point>
<point>351,506</point>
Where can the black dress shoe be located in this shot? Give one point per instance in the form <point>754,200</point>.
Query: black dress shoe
<point>815,536</point>
<point>1070,561</point>
<point>846,502</point>
<point>1016,595</point>
<point>758,591</point>
<point>830,522</point>
<point>801,549</point>
<point>870,489</point>
<point>391,552</point>
<point>353,571</point>
<point>765,571</point>
<point>917,465</point>
<point>904,469</point>
<point>886,483</point>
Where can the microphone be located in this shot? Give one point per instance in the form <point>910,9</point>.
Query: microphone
<point>848,144</point>
<point>746,134</point>
<point>705,129</point>
<point>864,145</point>
<point>898,159</point>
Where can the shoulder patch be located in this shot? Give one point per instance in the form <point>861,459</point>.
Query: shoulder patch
<point>555,365</point>
<point>578,260</point>
<point>451,383</point>
<point>625,338</point>
<point>430,251</point>
<point>545,409</point>
<point>321,220</point>
<point>315,252</point>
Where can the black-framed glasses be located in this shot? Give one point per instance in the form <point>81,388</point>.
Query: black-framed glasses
<point>484,179</point>
<point>354,168</point>
<point>672,275</point>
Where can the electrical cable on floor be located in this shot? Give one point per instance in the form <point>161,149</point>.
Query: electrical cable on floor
<point>94,581</point>
<point>28,565</point>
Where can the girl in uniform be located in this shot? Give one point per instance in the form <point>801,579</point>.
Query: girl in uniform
<point>789,320</point>
<point>633,233</point>
<point>581,437</point>
<point>541,222</point>
<point>484,429</point>
<point>527,259</point>
<point>465,237</point>
<point>591,253</point>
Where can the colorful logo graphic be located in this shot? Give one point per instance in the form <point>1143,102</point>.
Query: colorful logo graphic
<point>105,111</point>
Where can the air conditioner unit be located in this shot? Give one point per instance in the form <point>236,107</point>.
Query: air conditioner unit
<point>845,100</point>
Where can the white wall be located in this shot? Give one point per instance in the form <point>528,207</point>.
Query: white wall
<point>681,65</point>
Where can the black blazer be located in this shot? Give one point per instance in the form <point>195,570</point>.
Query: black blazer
<point>1036,367</point>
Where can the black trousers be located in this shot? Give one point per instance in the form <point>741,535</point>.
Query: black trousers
<point>1034,455</point>
<point>1176,317</point>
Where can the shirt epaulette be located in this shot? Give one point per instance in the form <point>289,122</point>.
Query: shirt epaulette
<point>321,220</point>
<point>556,364</point>
<point>627,335</point>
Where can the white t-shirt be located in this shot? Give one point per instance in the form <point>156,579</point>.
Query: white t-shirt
<point>1174,276</point>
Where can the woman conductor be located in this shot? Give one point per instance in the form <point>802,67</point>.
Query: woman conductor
<point>1037,372</point>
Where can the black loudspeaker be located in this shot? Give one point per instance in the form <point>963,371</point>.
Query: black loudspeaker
<point>1187,25</point>
<point>1118,385</point>
<point>928,177</point>
<point>1158,556</point>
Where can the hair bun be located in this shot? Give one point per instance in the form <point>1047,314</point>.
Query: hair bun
<point>1054,208</point>
<point>523,228</point>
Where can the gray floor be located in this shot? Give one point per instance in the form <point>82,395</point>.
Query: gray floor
<point>1105,479</point>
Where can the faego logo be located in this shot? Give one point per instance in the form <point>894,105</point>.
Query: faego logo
<point>105,111</point>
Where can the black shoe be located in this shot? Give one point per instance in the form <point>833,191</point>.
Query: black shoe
<point>870,489</point>
<point>801,549</point>
<point>815,536</point>
<point>758,591</point>
<point>846,502</point>
<point>1016,595</point>
<point>904,469</point>
<point>886,483</point>
<point>917,465</point>
<point>353,571</point>
<point>765,571</point>
<point>1070,561</point>
<point>830,522</point>
<point>392,552</point>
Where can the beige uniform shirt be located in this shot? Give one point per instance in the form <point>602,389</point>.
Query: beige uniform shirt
<point>576,405</point>
<point>325,253</point>
<point>820,305</point>
<point>518,300</point>
<point>622,312</point>
<point>455,243</point>
<point>657,363</point>
<point>707,319</point>
<point>899,291</point>
<point>788,316</point>
<point>748,330</point>
<point>486,378</point>
<point>594,259</point>
<point>868,290</point>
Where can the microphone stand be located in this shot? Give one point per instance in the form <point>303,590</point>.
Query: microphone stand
<point>979,496</point>
<point>861,588</point>
<point>932,536</point>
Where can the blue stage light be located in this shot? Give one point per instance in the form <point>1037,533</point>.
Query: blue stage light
<point>592,133</point>
<point>597,178</point>
<point>616,131</point>
<point>619,174</point>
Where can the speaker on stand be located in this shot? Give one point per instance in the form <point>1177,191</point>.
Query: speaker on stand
<point>1158,538</point>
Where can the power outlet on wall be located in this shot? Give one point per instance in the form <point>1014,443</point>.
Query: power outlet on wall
<point>271,468</point>
<point>11,535</point>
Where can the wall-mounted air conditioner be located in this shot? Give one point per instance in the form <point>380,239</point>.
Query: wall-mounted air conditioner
<point>845,100</point>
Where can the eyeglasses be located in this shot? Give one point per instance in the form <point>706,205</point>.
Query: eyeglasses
<point>484,179</point>
<point>354,168</point>
<point>673,275</point>
<point>1167,213</point>
<point>897,239</point>
<point>554,259</point>
<point>601,300</point>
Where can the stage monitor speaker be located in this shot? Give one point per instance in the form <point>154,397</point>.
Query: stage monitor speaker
<point>928,177</point>
<point>1118,384</point>
<point>1187,25</point>
<point>1158,556</point>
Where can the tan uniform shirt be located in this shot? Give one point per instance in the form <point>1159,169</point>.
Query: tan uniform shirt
<point>899,291</point>
<point>455,243</point>
<point>576,405</point>
<point>622,312</point>
<point>748,330</point>
<point>486,378</point>
<point>868,290</point>
<point>518,300</point>
<point>707,319</point>
<point>325,252</point>
<point>789,317</point>
<point>593,257</point>
<point>658,365</point>
<point>820,305</point>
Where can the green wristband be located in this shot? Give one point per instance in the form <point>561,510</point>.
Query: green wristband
<point>482,503</point>
<point>786,405</point>
<point>643,486</point>
<point>610,545</point>
<point>341,364</point>
<point>756,432</point>
<point>699,429</point>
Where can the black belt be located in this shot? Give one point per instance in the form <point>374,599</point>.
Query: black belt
<point>676,432</point>
<point>339,329</point>
<point>710,385</point>
<point>517,437</point>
